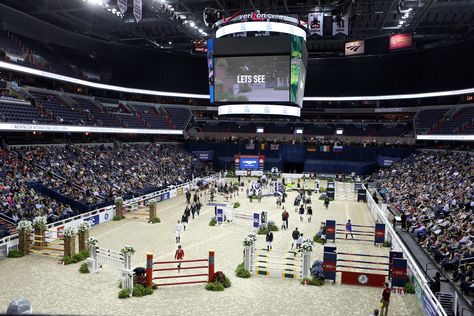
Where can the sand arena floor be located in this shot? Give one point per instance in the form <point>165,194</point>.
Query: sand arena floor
<point>58,289</point>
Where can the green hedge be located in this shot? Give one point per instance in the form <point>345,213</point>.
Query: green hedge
<point>81,256</point>
<point>15,253</point>
<point>241,272</point>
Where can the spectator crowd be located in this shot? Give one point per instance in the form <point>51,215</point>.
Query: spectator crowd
<point>87,174</point>
<point>434,193</point>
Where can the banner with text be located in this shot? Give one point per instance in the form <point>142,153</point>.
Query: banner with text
<point>315,23</point>
<point>122,5</point>
<point>340,25</point>
<point>137,10</point>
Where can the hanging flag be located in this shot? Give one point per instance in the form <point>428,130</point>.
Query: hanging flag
<point>325,148</point>
<point>311,149</point>
<point>263,146</point>
<point>122,5</point>
<point>137,10</point>
<point>274,146</point>
<point>340,26</point>
<point>337,148</point>
<point>250,146</point>
<point>315,23</point>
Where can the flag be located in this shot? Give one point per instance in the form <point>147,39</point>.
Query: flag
<point>263,146</point>
<point>315,23</point>
<point>274,146</point>
<point>340,25</point>
<point>337,148</point>
<point>325,148</point>
<point>311,148</point>
<point>250,146</point>
<point>122,5</point>
<point>137,10</point>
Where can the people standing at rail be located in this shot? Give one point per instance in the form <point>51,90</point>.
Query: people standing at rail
<point>349,229</point>
<point>299,241</point>
<point>179,229</point>
<point>179,255</point>
<point>385,300</point>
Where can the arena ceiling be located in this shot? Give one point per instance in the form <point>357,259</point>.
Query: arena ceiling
<point>175,24</point>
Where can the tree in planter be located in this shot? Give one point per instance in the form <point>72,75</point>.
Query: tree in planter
<point>39,225</point>
<point>118,207</point>
<point>69,235</point>
<point>24,230</point>
<point>83,233</point>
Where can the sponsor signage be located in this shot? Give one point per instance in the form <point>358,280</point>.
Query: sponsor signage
<point>255,16</point>
<point>340,26</point>
<point>261,26</point>
<point>83,129</point>
<point>93,220</point>
<point>401,41</point>
<point>137,10</point>
<point>315,23</point>
<point>259,109</point>
<point>354,48</point>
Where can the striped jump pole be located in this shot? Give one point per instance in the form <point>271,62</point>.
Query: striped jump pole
<point>210,270</point>
<point>362,261</point>
<point>361,255</point>
<point>378,234</point>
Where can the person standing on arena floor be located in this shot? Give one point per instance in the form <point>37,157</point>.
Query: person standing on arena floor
<point>309,211</point>
<point>188,196</point>
<point>269,240</point>
<point>179,255</point>
<point>295,235</point>
<point>385,300</point>
<point>349,229</point>
<point>301,213</point>
<point>179,229</point>
<point>198,207</point>
<point>193,209</point>
<point>299,241</point>
<point>284,218</point>
<point>375,313</point>
<point>326,202</point>
<point>184,220</point>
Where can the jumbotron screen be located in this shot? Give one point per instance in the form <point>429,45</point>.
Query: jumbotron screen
<point>252,79</point>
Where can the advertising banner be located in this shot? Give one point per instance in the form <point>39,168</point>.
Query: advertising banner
<point>315,23</point>
<point>401,41</point>
<point>122,5</point>
<point>354,48</point>
<point>137,10</point>
<point>340,26</point>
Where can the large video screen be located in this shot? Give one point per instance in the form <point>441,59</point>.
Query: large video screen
<point>249,163</point>
<point>252,79</point>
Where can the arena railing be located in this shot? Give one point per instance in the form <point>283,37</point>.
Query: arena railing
<point>429,303</point>
<point>11,241</point>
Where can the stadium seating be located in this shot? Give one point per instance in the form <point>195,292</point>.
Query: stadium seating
<point>22,112</point>
<point>426,119</point>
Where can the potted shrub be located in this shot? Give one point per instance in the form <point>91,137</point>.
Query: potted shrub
<point>24,229</point>
<point>83,233</point>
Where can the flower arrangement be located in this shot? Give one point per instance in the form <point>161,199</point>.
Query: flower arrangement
<point>127,250</point>
<point>84,227</point>
<point>24,226</point>
<point>92,241</point>
<point>250,239</point>
<point>39,222</point>
<point>69,232</point>
<point>307,244</point>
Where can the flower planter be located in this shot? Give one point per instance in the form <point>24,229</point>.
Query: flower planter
<point>70,246</point>
<point>39,236</point>
<point>152,211</point>
<point>24,242</point>
<point>83,237</point>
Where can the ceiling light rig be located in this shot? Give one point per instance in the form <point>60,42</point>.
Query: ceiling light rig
<point>105,5</point>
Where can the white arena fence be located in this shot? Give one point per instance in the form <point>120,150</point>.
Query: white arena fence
<point>429,304</point>
<point>105,214</point>
<point>122,263</point>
